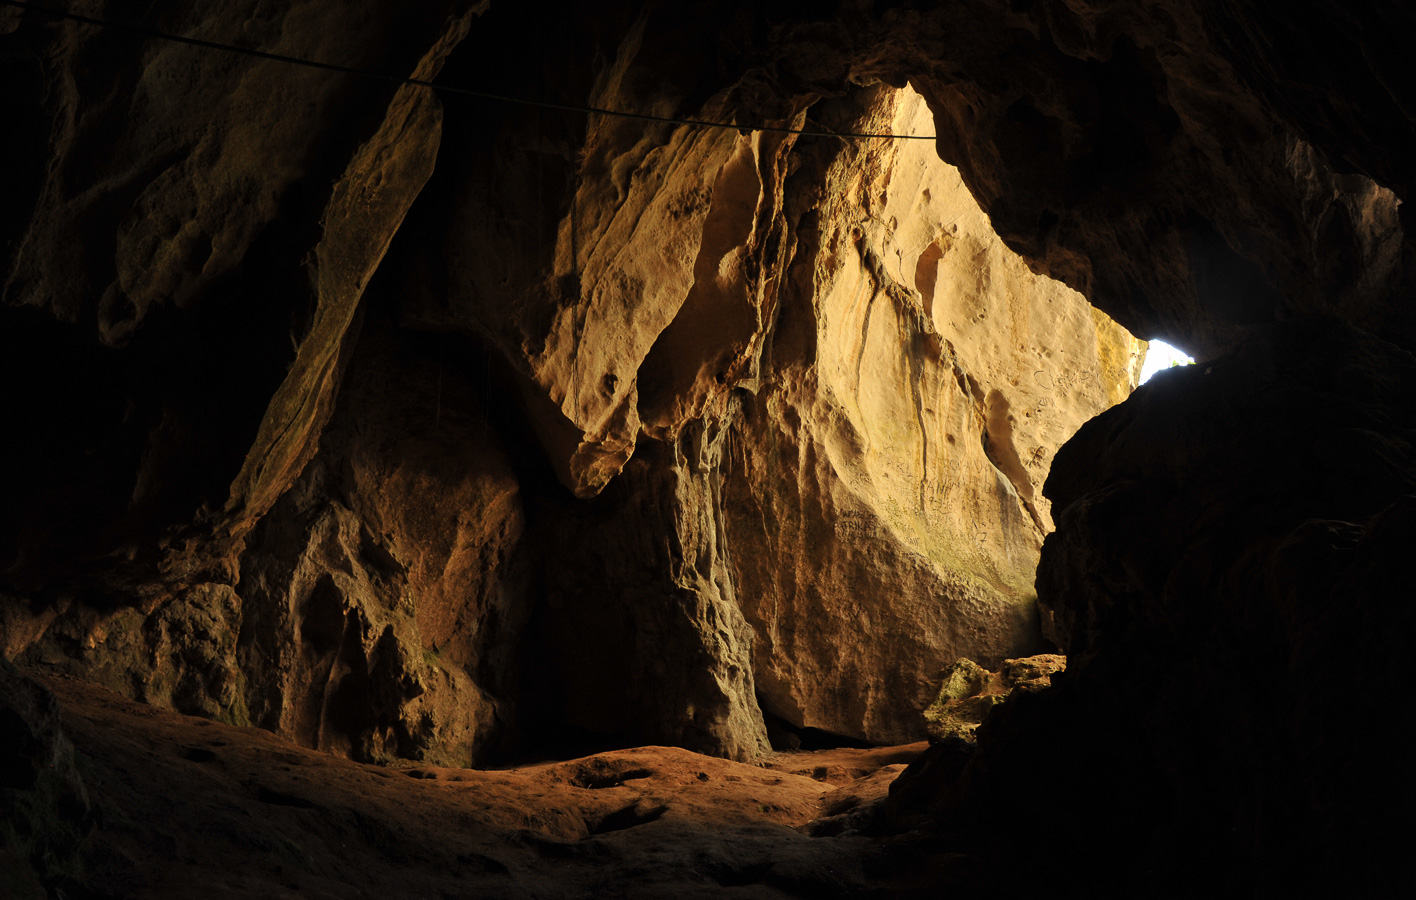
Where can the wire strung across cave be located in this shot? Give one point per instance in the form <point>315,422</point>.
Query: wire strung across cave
<point>136,28</point>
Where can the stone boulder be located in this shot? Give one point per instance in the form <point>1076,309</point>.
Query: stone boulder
<point>970,692</point>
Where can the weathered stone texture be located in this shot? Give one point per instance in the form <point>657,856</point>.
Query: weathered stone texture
<point>969,692</point>
<point>646,296</point>
<point>885,512</point>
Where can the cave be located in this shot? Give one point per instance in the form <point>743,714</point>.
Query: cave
<point>489,449</point>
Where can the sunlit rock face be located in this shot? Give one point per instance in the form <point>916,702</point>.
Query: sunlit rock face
<point>885,508</point>
<point>845,452</point>
<point>538,424</point>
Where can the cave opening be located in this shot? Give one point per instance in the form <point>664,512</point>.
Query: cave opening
<point>1161,356</point>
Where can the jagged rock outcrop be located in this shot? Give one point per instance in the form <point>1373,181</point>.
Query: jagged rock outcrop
<point>182,188</point>
<point>931,518</point>
<point>219,219</point>
<point>638,629</point>
<point>375,591</point>
<point>1174,162</point>
<point>176,650</point>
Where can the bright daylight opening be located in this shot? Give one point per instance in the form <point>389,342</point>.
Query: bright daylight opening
<point>1160,355</point>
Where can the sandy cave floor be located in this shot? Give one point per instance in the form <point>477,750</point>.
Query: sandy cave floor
<point>193,808</point>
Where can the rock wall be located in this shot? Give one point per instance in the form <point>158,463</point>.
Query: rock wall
<point>886,513</point>
<point>805,569</point>
<point>535,406</point>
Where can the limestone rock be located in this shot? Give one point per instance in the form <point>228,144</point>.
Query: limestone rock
<point>179,651</point>
<point>252,815</point>
<point>365,209</point>
<point>1090,133</point>
<point>375,593</point>
<point>885,511</point>
<point>970,691</point>
<point>771,355</point>
<point>639,631</point>
<point>332,650</point>
<point>854,808</point>
<point>154,272</point>
<point>626,270</point>
<point>918,510</point>
<point>417,569</point>
<point>642,282</point>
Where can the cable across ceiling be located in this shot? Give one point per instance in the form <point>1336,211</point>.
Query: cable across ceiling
<point>140,29</point>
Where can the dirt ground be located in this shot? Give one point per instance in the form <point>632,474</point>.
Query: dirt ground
<point>190,808</point>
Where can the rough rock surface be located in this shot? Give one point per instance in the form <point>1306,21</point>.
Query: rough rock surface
<point>191,807</point>
<point>628,307</point>
<point>374,590</point>
<point>1185,167</point>
<point>190,242</point>
<point>885,508</point>
<point>201,355</point>
<point>969,692</point>
<point>638,632</point>
<point>178,650</point>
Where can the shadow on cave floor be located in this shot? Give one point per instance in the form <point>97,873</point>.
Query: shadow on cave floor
<point>189,807</point>
<point>788,737</point>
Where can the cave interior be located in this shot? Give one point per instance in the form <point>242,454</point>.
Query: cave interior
<point>513,449</point>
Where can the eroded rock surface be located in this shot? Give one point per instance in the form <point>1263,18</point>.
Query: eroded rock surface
<point>189,806</point>
<point>969,692</point>
<point>711,356</point>
<point>183,190</point>
<point>694,331</point>
<point>885,510</point>
<point>376,589</point>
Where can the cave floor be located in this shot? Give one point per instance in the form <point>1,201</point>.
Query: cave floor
<point>192,808</point>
